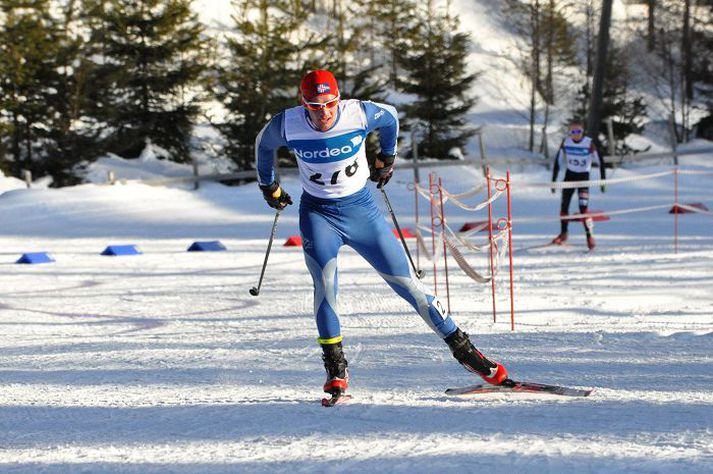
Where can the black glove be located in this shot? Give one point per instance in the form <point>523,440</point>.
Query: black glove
<point>382,175</point>
<point>275,196</point>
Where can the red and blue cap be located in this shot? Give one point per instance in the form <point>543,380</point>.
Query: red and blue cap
<point>318,82</point>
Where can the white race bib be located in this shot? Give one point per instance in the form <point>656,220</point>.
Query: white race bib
<point>332,164</point>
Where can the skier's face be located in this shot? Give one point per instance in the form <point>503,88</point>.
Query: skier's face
<point>576,131</point>
<point>322,111</point>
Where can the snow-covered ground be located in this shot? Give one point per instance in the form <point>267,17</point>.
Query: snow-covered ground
<point>8,182</point>
<point>164,363</point>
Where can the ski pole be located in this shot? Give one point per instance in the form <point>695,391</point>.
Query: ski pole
<point>256,290</point>
<point>419,273</point>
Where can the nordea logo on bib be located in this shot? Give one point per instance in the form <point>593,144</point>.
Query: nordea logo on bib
<point>324,153</point>
<point>345,146</point>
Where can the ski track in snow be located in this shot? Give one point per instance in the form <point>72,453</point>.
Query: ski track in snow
<point>164,363</point>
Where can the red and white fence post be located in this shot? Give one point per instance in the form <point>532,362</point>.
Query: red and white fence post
<point>433,234</point>
<point>676,209</point>
<point>509,226</point>
<point>490,236</point>
<point>445,252</point>
<point>418,247</point>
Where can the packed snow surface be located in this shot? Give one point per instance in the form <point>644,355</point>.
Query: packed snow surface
<point>163,362</point>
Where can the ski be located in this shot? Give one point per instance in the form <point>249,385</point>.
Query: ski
<point>336,400</point>
<point>521,387</point>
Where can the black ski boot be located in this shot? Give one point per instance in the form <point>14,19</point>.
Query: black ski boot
<point>472,359</point>
<point>336,366</point>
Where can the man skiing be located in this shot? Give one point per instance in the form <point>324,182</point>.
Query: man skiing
<point>326,135</point>
<point>577,151</point>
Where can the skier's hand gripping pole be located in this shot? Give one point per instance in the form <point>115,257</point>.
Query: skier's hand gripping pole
<point>256,290</point>
<point>381,169</point>
<point>418,272</point>
<point>275,196</point>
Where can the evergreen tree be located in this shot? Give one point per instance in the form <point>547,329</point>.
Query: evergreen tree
<point>41,92</point>
<point>347,53</point>
<point>152,73</point>
<point>73,136</point>
<point>436,68</point>
<point>4,162</point>
<point>703,64</point>
<point>388,24</point>
<point>263,71</point>
<point>93,18</point>
<point>28,47</point>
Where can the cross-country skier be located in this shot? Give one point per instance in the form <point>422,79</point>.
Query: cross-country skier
<point>326,135</point>
<point>577,151</point>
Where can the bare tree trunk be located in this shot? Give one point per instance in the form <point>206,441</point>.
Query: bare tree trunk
<point>533,105</point>
<point>595,107</point>
<point>28,142</point>
<point>651,35</point>
<point>341,39</point>
<point>549,58</point>
<point>687,80</point>
<point>549,86</point>
<point>393,74</point>
<point>372,40</point>
<point>16,145</point>
<point>669,64</point>
<point>589,12</point>
<point>545,122</point>
<point>264,61</point>
<point>535,40</point>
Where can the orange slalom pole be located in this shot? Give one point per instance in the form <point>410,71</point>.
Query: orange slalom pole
<point>490,235</point>
<point>512,297</point>
<point>445,253</point>
<point>418,250</point>
<point>676,209</point>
